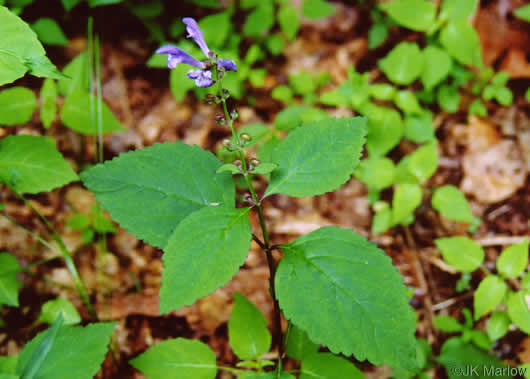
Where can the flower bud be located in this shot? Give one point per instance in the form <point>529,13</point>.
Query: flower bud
<point>254,162</point>
<point>220,119</point>
<point>245,137</point>
<point>226,143</point>
<point>237,162</point>
<point>234,115</point>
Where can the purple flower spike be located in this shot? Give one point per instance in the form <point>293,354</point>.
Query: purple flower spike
<point>227,64</point>
<point>176,56</point>
<point>194,32</point>
<point>202,78</point>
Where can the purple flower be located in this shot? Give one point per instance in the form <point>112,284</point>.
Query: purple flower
<point>203,78</point>
<point>176,56</point>
<point>194,32</point>
<point>227,64</point>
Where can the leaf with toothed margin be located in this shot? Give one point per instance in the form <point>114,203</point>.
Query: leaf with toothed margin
<point>203,253</point>
<point>334,277</point>
<point>317,157</point>
<point>148,192</point>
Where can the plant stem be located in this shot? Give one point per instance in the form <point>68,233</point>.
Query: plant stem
<point>278,335</point>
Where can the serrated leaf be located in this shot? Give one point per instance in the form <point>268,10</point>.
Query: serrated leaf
<point>247,330</point>
<point>413,14</point>
<point>177,359</point>
<point>75,114</point>
<point>203,253</point>
<point>32,164</point>
<point>452,203</point>
<point>17,104</point>
<point>298,344</point>
<point>318,157</point>
<point>513,260</point>
<point>518,305</point>
<point>53,308</point>
<point>424,161</point>
<point>49,32</point>
<point>141,177</point>
<point>447,324</point>
<point>48,95</point>
<point>289,20</point>
<point>385,130</point>
<point>9,284</point>
<point>462,253</point>
<point>77,352</point>
<point>498,325</point>
<point>488,295</point>
<point>349,283</point>
<point>436,66</point>
<point>407,197</point>
<point>403,64</point>
<point>328,366</point>
<point>462,42</point>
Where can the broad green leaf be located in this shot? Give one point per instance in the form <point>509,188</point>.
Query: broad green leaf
<point>294,116</point>
<point>17,105</point>
<point>77,351</point>
<point>488,295</point>
<point>32,164</point>
<point>317,9</point>
<point>498,325</point>
<point>302,83</point>
<point>382,218</point>
<point>9,284</point>
<point>404,63</point>
<point>452,203</point>
<point>349,283</point>
<point>436,66</point>
<point>269,375</point>
<point>403,174</point>
<point>75,114</point>
<point>462,253</point>
<point>462,42</point>
<point>77,76</point>
<point>49,32</point>
<point>478,108</point>
<point>318,157</point>
<point>48,95</point>
<point>407,101</point>
<point>376,173</point>
<point>141,177</point>
<point>216,28</point>
<point>298,345</point>
<point>448,98</point>
<point>447,324</point>
<point>203,253</point>
<point>178,358</point>
<point>407,197</point>
<point>382,91</point>
<point>413,14</point>
<point>377,34</point>
<point>53,308</point>
<point>284,94</point>
<point>419,127</point>
<point>229,167</point>
<point>8,365</point>
<point>328,366</point>
<point>264,168</point>
<point>458,10</point>
<point>385,130</point>
<point>513,260</point>
<point>42,67</point>
<point>424,161</point>
<point>247,330</point>
<point>260,20</point>
<point>519,309</point>
<point>523,12</point>
<point>179,83</point>
<point>289,21</point>
<point>459,357</point>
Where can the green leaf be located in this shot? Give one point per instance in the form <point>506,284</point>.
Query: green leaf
<point>513,260</point>
<point>292,117</point>
<point>42,67</point>
<point>48,95</point>
<point>302,83</point>
<point>317,9</point>
<point>385,130</point>
<point>216,28</point>
<point>53,308</point>
<point>377,35</point>
<point>9,284</point>
<point>260,20</point>
<point>179,84</point>
<point>75,114</point>
<point>8,365</point>
<point>69,4</point>
<point>488,295</point>
<point>383,217</point>
<point>289,21</point>
<point>140,177</point>
<point>98,3</point>
<point>382,91</point>
<point>298,345</point>
<point>229,167</point>
<point>203,253</point>
<point>424,161</point>
<point>32,164</point>
<point>478,108</point>
<point>498,325</point>
<point>504,96</point>
<point>376,173</point>
<point>462,253</point>
<point>419,128</point>
<point>77,76</point>
<point>49,32</point>
<point>328,366</point>
<point>17,104</point>
<point>449,98</point>
<point>77,352</point>
<point>404,63</point>
<point>247,330</point>
<point>452,203</point>
<point>264,168</point>
<point>269,375</point>
<point>318,157</point>
<point>447,324</point>
<point>519,309</point>
<point>462,42</point>
<point>407,102</point>
<point>458,10</point>
<point>178,358</point>
<point>282,93</point>
<point>79,221</point>
<point>413,14</point>
<point>407,197</point>
<point>523,12</point>
<point>436,66</point>
<point>349,283</point>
